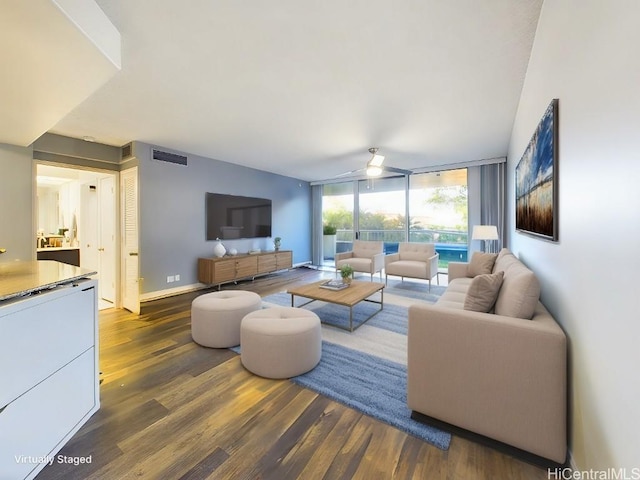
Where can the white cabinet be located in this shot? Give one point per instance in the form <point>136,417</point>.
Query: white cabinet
<point>49,384</point>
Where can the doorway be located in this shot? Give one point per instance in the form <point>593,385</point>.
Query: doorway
<point>79,206</point>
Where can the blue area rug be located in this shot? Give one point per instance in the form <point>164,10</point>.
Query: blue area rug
<point>414,289</point>
<point>372,385</point>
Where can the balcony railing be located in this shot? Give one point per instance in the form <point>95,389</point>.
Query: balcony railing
<point>452,245</point>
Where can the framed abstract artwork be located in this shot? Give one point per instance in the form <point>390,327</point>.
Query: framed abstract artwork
<point>537,180</point>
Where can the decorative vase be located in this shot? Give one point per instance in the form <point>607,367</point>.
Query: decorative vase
<point>233,252</point>
<point>347,280</point>
<point>219,249</point>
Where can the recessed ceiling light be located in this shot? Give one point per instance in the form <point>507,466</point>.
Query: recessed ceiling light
<point>88,138</point>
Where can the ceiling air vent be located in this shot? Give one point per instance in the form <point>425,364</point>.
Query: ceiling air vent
<point>169,157</point>
<point>126,152</point>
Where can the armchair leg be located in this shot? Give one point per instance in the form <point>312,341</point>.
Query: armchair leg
<point>386,279</point>
<point>429,285</point>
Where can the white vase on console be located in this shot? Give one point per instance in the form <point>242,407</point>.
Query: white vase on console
<point>218,249</point>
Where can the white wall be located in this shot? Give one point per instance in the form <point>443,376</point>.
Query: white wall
<point>586,54</point>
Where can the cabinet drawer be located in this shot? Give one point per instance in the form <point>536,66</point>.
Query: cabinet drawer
<point>266,263</point>
<point>246,267</point>
<point>224,271</point>
<point>43,337</point>
<point>36,423</point>
<point>284,260</point>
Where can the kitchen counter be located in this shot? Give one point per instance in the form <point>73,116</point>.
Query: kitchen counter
<point>61,254</point>
<point>18,279</point>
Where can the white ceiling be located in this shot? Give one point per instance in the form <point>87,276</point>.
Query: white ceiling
<point>304,88</point>
<point>43,43</point>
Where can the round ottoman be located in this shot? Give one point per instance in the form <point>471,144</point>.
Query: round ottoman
<point>280,342</point>
<point>216,317</point>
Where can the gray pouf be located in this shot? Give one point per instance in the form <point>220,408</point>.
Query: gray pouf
<point>280,342</point>
<point>216,317</point>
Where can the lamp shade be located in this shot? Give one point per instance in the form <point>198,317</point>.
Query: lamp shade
<point>485,232</point>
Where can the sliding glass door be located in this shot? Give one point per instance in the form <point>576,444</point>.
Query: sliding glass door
<point>439,212</point>
<point>382,212</point>
<point>425,207</point>
<point>337,219</point>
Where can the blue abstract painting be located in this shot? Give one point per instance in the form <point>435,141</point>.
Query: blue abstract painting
<point>536,179</point>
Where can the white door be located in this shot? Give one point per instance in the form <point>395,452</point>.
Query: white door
<point>107,248</point>
<point>129,239</point>
<point>88,228</point>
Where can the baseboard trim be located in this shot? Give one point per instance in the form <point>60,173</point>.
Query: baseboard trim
<point>510,450</point>
<point>572,462</point>
<point>170,292</point>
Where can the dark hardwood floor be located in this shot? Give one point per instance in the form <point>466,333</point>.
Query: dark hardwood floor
<point>171,409</point>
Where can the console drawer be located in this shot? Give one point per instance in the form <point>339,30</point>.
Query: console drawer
<point>35,424</point>
<point>51,330</point>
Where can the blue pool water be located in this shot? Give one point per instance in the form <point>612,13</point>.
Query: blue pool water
<point>448,252</point>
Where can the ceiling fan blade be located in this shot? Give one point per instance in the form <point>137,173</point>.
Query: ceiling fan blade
<point>397,170</point>
<point>350,172</point>
<point>377,160</point>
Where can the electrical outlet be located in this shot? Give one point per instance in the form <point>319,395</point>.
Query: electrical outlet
<point>177,278</point>
<point>170,279</point>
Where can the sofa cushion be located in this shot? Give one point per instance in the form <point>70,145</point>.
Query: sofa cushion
<point>358,264</point>
<point>483,292</point>
<point>366,249</point>
<point>519,293</point>
<point>481,263</point>
<point>407,268</point>
<point>420,252</point>
<point>504,261</point>
<point>454,295</point>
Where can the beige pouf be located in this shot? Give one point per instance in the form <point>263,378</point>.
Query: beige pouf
<point>280,342</point>
<point>216,317</point>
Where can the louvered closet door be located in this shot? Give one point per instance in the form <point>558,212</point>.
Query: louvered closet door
<point>129,247</point>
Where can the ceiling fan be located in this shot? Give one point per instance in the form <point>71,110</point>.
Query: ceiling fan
<point>375,167</point>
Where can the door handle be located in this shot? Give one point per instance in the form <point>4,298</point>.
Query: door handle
<point>101,249</point>
<point>133,254</point>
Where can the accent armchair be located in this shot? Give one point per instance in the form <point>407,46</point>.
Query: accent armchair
<point>366,257</point>
<point>413,260</point>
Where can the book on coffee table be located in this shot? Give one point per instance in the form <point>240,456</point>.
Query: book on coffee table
<point>334,285</point>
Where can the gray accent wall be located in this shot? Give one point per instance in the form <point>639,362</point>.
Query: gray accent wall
<point>584,56</point>
<point>172,214</point>
<point>17,232</point>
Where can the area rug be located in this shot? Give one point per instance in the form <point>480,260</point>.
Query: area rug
<point>371,385</point>
<point>365,369</point>
<point>415,289</point>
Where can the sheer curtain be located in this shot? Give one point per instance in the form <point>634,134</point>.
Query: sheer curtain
<point>492,198</point>
<point>316,224</point>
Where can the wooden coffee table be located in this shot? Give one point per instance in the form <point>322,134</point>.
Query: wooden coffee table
<point>357,292</point>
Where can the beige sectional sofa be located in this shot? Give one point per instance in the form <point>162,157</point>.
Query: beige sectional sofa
<point>501,374</point>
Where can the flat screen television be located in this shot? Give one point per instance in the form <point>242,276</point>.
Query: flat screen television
<point>232,216</point>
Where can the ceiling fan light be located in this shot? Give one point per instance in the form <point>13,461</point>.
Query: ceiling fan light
<point>376,160</point>
<point>373,170</point>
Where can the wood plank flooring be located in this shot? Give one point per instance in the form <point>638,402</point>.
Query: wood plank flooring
<point>171,409</point>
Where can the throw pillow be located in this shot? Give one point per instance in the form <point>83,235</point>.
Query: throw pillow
<point>483,292</point>
<point>481,263</point>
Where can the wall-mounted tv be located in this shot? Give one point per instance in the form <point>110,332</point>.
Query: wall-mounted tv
<point>232,216</point>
